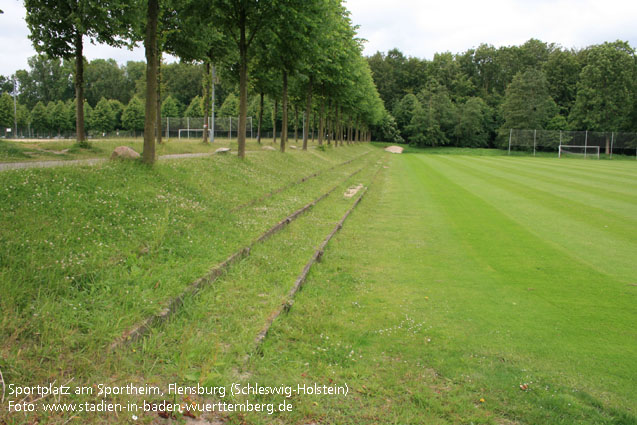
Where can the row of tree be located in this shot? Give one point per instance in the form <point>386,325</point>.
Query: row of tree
<point>58,118</point>
<point>470,99</point>
<point>51,79</point>
<point>304,48</point>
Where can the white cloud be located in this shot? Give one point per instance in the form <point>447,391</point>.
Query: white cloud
<point>422,28</point>
<point>418,28</point>
<point>16,48</point>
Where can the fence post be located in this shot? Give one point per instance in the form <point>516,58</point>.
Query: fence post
<point>612,139</point>
<point>534,137</point>
<point>167,127</point>
<point>585,143</point>
<point>510,134</point>
<point>559,150</point>
<point>230,129</point>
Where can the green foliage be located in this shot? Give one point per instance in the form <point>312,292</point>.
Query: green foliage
<point>133,115</point>
<point>436,97</point>
<point>88,115</point>
<point>387,130</point>
<point>605,91</point>
<point>24,117</point>
<point>562,72</point>
<point>39,119</point>
<point>103,118</point>
<point>474,123</point>
<point>230,107</point>
<point>528,104</point>
<point>46,80</point>
<point>58,117</point>
<point>6,84</point>
<point>558,122</point>
<point>182,81</point>
<point>404,111</point>
<point>6,111</point>
<point>424,129</point>
<point>195,109</point>
<point>118,110</point>
<point>54,26</point>
<point>104,78</point>
<point>171,108</point>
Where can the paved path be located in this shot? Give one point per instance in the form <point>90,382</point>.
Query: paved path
<point>92,161</point>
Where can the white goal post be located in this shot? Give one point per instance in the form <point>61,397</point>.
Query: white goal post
<point>198,132</point>
<point>579,150</point>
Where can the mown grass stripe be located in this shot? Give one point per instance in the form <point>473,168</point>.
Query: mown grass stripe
<point>576,202</point>
<point>590,178</point>
<point>619,169</point>
<point>610,255</point>
<point>606,198</point>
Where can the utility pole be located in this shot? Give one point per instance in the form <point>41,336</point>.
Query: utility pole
<point>212,117</point>
<point>15,109</point>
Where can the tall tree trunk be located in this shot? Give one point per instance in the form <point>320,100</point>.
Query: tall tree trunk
<point>607,145</point>
<point>284,106</point>
<point>313,126</point>
<point>308,111</point>
<point>261,95</point>
<point>349,129</point>
<point>159,123</point>
<point>296,124</point>
<point>276,113</point>
<point>358,134</point>
<point>329,121</point>
<point>243,84</point>
<point>79,90</point>
<point>206,102</point>
<point>150,44</point>
<point>339,125</point>
<point>321,130</point>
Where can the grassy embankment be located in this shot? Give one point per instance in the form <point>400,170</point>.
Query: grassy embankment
<point>88,252</point>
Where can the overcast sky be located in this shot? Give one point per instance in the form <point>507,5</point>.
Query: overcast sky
<point>417,27</point>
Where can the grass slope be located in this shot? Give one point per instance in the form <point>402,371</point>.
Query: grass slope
<point>86,252</point>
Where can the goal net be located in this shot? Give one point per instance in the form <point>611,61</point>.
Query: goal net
<point>191,132</point>
<point>585,151</point>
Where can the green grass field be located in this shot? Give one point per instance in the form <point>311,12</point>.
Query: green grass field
<point>462,278</point>
<point>457,280</point>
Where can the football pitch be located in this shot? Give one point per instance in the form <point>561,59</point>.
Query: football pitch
<point>471,289</point>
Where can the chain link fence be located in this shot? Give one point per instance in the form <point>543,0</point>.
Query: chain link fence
<point>586,143</point>
<point>177,128</point>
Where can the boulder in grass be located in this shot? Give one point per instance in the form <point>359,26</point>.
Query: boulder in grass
<point>124,152</point>
<point>268,148</point>
<point>222,150</point>
<point>292,147</point>
<point>394,149</point>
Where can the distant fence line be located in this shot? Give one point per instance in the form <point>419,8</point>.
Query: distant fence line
<point>177,128</point>
<point>171,128</point>
<point>608,143</point>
